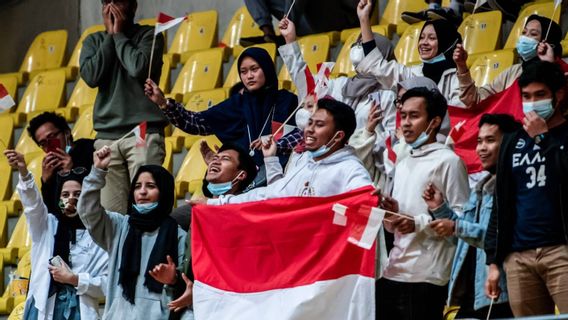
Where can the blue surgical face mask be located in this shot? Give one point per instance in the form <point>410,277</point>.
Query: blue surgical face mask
<point>526,48</point>
<point>144,208</point>
<point>441,57</point>
<point>543,108</point>
<point>218,189</point>
<point>422,138</point>
<point>323,149</point>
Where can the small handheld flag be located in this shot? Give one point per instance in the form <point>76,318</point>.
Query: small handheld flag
<point>6,101</point>
<point>163,23</point>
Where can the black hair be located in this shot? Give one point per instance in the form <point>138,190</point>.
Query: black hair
<point>246,163</point>
<point>343,116</point>
<point>436,104</point>
<point>58,121</point>
<point>505,122</point>
<point>547,73</point>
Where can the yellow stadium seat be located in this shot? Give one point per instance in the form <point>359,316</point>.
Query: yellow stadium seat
<point>391,17</point>
<point>233,76</point>
<point>406,50</point>
<point>347,33</point>
<point>197,32</point>
<point>193,168</point>
<point>487,66</point>
<point>15,293</point>
<point>481,32</point>
<point>315,50</point>
<point>20,242</point>
<point>241,25</point>
<point>541,8</point>
<point>26,145</point>
<point>82,97</point>
<point>5,184</point>
<point>83,128</point>
<point>6,134</point>
<point>13,205</point>
<point>343,65</point>
<point>3,225</point>
<point>45,53</point>
<point>168,163</point>
<point>18,312</point>
<point>564,46</point>
<point>198,101</point>
<point>165,78</point>
<point>202,71</point>
<point>46,92</point>
<point>72,69</point>
<point>10,82</point>
<point>450,312</point>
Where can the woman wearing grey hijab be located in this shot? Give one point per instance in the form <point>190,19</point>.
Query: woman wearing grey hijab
<point>357,91</point>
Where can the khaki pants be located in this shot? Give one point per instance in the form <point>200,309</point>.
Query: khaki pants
<point>126,158</point>
<point>537,279</point>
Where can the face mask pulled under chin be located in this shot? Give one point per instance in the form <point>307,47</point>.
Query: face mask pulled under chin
<point>144,208</point>
<point>218,189</point>
<point>323,149</point>
<point>422,138</point>
<point>302,118</point>
<point>356,54</point>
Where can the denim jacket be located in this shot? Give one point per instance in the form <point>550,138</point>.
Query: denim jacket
<point>470,230</point>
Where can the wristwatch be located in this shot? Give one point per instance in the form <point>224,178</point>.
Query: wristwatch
<point>539,138</point>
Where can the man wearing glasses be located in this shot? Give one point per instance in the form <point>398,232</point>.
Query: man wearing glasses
<point>63,155</point>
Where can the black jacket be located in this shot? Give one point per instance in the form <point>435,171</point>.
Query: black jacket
<point>499,236</point>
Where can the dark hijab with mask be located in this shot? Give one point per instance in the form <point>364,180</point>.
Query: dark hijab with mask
<point>66,226</point>
<point>245,116</point>
<point>448,37</point>
<point>166,241</point>
<point>554,35</point>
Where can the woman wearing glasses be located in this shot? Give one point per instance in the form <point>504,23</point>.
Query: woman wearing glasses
<point>69,271</point>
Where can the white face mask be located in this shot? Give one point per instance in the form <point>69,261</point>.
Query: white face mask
<point>302,118</point>
<point>356,54</point>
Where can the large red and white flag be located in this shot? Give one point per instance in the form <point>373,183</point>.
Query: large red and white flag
<point>140,134</point>
<point>508,101</point>
<point>6,101</point>
<point>165,22</point>
<point>455,133</point>
<point>285,259</point>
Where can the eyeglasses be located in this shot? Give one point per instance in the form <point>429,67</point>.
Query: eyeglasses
<point>77,171</point>
<point>43,144</point>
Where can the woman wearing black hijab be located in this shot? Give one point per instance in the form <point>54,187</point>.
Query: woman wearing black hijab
<point>246,115</point>
<point>68,270</point>
<point>436,44</point>
<point>135,242</point>
<point>531,46</point>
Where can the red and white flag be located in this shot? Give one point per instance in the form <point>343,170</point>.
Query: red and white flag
<point>455,133</point>
<point>6,101</point>
<point>284,259</point>
<point>140,133</point>
<point>165,22</point>
<point>508,101</point>
<point>305,84</point>
<point>322,79</point>
<point>285,130</point>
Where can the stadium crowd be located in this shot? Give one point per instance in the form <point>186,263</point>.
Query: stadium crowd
<point>491,242</point>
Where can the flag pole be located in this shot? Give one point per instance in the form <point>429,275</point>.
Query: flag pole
<point>288,119</point>
<point>551,20</point>
<point>151,56</point>
<point>290,9</point>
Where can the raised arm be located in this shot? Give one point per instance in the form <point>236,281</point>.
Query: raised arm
<point>34,208</point>
<point>101,226</point>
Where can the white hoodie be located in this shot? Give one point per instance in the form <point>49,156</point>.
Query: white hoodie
<point>422,256</point>
<point>340,172</point>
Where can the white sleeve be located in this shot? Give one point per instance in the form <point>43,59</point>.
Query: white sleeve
<point>34,208</point>
<point>388,73</point>
<point>274,171</point>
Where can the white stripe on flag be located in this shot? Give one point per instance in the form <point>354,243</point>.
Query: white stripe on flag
<point>161,27</point>
<point>6,103</point>
<point>556,2</point>
<point>479,3</point>
<point>346,298</point>
<point>371,229</point>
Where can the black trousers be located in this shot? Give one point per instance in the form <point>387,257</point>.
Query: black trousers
<point>409,301</point>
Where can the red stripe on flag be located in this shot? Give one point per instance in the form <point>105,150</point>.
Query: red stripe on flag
<point>310,82</point>
<point>390,152</point>
<point>163,18</point>
<point>3,91</point>
<point>275,126</point>
<point>508,101</point>
<point>278,243</point>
